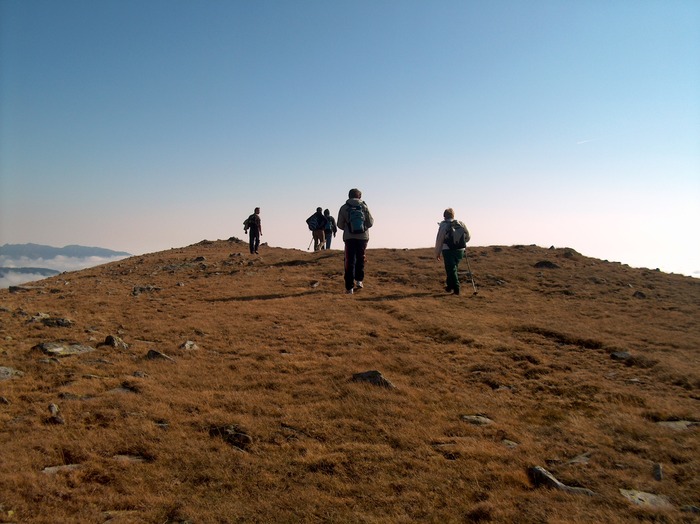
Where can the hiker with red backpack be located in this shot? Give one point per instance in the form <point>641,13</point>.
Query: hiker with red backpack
<point>450,246</point>
<point>355,220</point>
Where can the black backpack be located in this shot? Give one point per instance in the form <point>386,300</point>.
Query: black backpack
<point>457,235</point>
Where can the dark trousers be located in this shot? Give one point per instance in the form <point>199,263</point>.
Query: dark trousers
<point>452,258</point>
<point>254,241</point>
<point>354,261</point>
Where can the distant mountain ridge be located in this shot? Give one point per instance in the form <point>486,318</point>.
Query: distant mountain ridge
<point>4,271</point>
<point>38,251</point>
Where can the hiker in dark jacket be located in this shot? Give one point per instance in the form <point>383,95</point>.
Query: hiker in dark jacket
<point>317,225</point>
<point>445,250</point>
<point>331,228</point>
<point>355,220</point>
<point>253,224</point>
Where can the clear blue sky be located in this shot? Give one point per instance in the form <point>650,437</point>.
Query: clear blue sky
<point>141,125</point>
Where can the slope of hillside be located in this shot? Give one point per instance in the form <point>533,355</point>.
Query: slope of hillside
<point>211,386</point>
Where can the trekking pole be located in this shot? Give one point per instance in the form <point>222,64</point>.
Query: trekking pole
<point>312,241</point>
<point>471,275</point>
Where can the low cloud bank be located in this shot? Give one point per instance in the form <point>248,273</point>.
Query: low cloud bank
<point>59,263</point>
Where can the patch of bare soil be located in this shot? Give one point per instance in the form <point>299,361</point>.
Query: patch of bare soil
<point>203,384</point>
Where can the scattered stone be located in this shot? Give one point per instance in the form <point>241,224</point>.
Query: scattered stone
<point>8,373</point>
<point>620,356</point>
<point>115,342</point>
<point>232,434</point>
<point>200,259</point>
<point>690,509</point>
<point>642,498</point>
<point>189,345</point>
<point>3,400</point>
<point>144,289</point>
<point>134,459</point>
<point>583,458</point>
<point>541,477</point>
<point>56,322</point>
<point>678,425</point>
<point>373,377</point>
<point>657,472</point>
<point>140,374</point>
<point>157,355</point>
<point>315,284</point>
<point>477,420</point>
<point>56,417</point>
<point>52,470</point>
<point>639,294</point>
<point>546,264</point>
<point>62,349</point>
<point>510,444</point>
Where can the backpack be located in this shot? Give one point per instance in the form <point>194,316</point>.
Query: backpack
<point>249,222</point>
<point>312,222</point>
<point>457,235</point>
<point>356,219</point>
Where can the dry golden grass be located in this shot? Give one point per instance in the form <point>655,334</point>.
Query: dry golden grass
<point>278,344</point>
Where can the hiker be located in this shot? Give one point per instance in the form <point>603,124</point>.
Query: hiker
<point>317,225</point>
<point>355,220</point>
<point>331,228</point>
<point>253,224</point>
<point>450,245</point>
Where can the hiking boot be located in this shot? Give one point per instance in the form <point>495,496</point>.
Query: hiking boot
<point>359,284</point>
<point>456,291</point>
<point>348,291</point>
<point>448,289</point>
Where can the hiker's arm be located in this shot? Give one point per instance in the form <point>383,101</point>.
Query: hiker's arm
<point>439,241</point>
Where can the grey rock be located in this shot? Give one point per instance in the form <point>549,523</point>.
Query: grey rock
<point>373,377</point>
<point>62,349</point>
<point>639,294</point>
<point>678,425</point>
<point>115,342</point>
<point>55,415</point>
<point>510,444</point>
<point>8,373</point>
<point>620,355</point>
<point>57,322</point>
<point>157,355</point>
<point>690,509</point>
<point>477,420</point>
<point>52,470</point>
<point>546,264</point>
<point>232,434</point>
<point>583,458</point>
<point>137,290</point>
<point>541,477</point>
<point>133,459</point>
<point>642,498</point>
<point>657,472</point>
<point>189,345</point>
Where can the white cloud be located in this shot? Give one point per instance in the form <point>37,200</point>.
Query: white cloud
<point>59,263</point>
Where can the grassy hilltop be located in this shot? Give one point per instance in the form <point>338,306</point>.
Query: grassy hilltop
<point>212,386</point>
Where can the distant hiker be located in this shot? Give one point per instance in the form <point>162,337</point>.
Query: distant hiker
<point>331,228</point>
<point>355,220</point>
<point>452,238</point>
<point>253,224</point>
<point>317,225</point>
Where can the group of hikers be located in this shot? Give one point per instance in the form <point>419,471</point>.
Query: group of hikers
<point>355,220</point>
<point>323,229</point>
